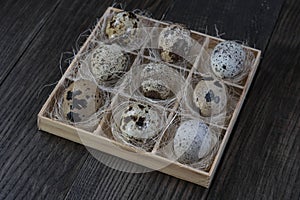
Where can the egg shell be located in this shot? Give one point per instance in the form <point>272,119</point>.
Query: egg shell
<point>155,89</point>
<point>81,100</point>
<point>227,59</point>
<point>108,62</point>
<point>121,24</point>
<point>193,141</point>
<point>210,96</point>
<point>140,121</point>
<point>156,80</point>
<point>175,42</point>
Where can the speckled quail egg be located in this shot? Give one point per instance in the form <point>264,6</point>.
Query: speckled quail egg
<point>175,42</point>
<point>227,59</point>
<point>155,89</point>
<point>81,100</point>
<point>155,81</point>
<point>193,141</point>
<point>210,96</point>
<point>122,23</point>
<point>140,121</point>
<point>108,62</point>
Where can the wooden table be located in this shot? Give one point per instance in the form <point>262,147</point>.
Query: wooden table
<point>261,160</point>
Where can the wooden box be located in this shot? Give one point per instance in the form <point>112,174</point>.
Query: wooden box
<point>149,159</point>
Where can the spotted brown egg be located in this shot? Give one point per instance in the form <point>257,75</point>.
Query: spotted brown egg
<point>193,141</point>
<point>210,96</point>
<point>227,59</point>
<point>155,84</point>
<point>108,62</point>
<point>175,42</point>
<point>140,121</point>
<point>121,24</point>
<point>81,100</point>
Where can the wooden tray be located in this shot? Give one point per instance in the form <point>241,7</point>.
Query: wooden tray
<point>149,159</point>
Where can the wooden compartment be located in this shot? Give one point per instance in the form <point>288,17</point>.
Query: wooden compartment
<point>102,139</point>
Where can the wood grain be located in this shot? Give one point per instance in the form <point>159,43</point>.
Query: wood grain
<point>97,181</point>
<point>20,22</point>
<point>246,21</point>
<point>262,161</point>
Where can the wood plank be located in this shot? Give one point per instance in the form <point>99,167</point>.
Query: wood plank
<point>33,164</point>
<point>97,181</point>
<point>20,23</point>
<point>262,161</point>
<point>246,21</point>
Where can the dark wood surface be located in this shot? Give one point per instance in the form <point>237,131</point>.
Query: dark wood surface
<point>261,160</point>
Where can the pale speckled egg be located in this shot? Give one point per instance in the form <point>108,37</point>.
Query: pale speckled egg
<point>140,121</point>
<point>193,141</point>
<point>81,100</point>
<point>227,59</point>
<point>155,89</point>
<point>210,96</point>
<point>175,42</point>
<point>108,62</point>
<point>122,23</point>
<point>155,81</point>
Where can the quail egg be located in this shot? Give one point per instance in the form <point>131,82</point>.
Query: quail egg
<point>227,59</point>
<point>193,141</point>
<point>140,121</point>
<point>81,100</point>
<point>210,97</point>
<point>108,62</point>
<point>122,23</point>
<point>175,42</point>
<point>155,89</point>
<point>155,84</point>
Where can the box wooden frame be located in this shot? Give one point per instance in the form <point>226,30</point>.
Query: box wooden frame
<point>147,159</point>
